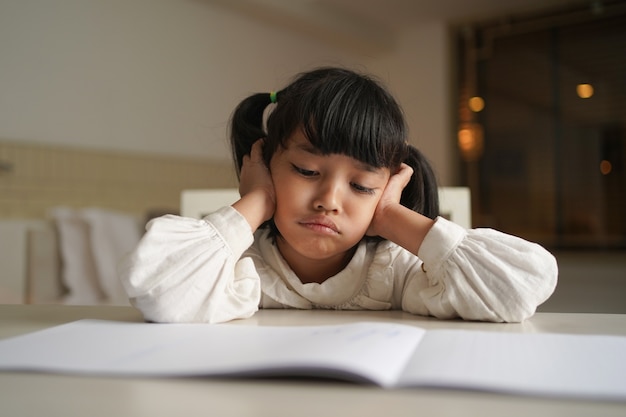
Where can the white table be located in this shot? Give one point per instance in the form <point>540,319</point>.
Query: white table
<point>38,394</point>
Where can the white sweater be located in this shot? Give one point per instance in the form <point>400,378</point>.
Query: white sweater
<point>214,270</point>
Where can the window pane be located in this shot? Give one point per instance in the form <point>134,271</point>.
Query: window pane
<point>553,128</point>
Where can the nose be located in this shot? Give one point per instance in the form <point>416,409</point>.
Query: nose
<point>327,197</point>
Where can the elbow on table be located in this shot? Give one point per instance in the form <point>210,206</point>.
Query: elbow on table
<point>538,288</point>
<point>524,307</point>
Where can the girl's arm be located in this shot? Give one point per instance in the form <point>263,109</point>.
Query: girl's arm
<point>189,270</point>
<point>476,274</point>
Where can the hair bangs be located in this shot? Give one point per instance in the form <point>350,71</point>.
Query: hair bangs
<point>353,119</point>
<point>346,114</point>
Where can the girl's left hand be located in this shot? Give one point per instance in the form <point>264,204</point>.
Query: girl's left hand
<point>391,197</point>
<point>256,187</point>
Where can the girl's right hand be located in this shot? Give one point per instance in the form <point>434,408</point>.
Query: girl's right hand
<point>258,199</point>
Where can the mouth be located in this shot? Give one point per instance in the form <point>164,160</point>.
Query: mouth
<point>320,224</point>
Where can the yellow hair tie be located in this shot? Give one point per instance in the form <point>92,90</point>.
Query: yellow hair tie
<point>273,96</point>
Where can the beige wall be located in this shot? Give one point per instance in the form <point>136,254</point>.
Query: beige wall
<point>142,184</point>
<point>163,76</point>
<point>419,71</point>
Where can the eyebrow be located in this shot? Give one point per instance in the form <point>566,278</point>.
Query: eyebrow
<point>307,147</point>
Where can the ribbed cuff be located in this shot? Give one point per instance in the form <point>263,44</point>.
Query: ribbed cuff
<point>233,227</point>
<point>442,239</point>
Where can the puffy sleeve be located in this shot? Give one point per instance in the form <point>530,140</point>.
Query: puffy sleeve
<point>479,274</point>
<point>190,270</point>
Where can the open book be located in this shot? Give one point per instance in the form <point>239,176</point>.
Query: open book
<point>386,354</point>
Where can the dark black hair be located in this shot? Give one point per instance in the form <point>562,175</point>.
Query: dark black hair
<point>340,112</point>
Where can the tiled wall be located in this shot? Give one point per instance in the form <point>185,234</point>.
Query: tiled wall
<point>35,177</point>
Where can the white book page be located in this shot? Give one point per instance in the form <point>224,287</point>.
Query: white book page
<point>375,352</point>
<point>539,364</point>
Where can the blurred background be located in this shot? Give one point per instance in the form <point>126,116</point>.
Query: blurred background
<point>119,105</point>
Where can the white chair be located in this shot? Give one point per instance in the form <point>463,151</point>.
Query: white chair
<point>454,203</point>
<point>199,203</point>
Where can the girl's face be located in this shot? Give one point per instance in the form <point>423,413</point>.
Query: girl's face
<point>324,205</point>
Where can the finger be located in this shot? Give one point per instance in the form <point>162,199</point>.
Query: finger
<point>256,153</point>
<point>403,176</point>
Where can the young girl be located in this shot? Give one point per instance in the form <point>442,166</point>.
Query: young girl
<point>337,211</point>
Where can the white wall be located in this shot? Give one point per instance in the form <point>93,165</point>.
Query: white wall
<point>164,75</point>
<point>419,73</point>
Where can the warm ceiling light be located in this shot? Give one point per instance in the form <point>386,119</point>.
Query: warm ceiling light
<point>605,167</point>
<point>467,140</point>
<point>470,140</point>
<point>584,90</point>
<point>476,104</point>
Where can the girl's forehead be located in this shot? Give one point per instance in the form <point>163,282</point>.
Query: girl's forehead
<point>298,142</point>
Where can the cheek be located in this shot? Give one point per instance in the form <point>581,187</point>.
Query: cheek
<point>287,194</point>
<point>281,185</point>
<point>363,212</point>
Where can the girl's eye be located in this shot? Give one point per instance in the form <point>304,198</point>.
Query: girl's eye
<point>303,172</point>
<point>364,190</point>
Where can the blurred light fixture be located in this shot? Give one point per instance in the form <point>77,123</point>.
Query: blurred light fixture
<point>476,104</point>
<point>605,167</point>
<point>584,90</point>
<point>470,140</point>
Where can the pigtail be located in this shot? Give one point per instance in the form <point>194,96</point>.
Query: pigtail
<point>421,193</point>
<point>247,125</point>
